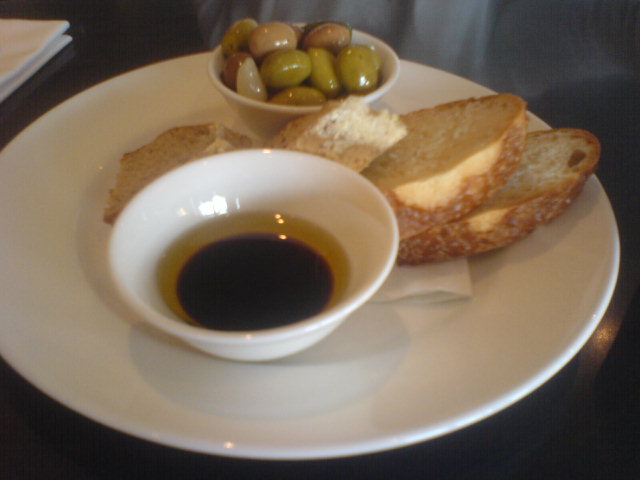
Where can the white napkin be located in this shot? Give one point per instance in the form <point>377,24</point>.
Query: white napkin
<point>430,282</point>
<point>25,46</point>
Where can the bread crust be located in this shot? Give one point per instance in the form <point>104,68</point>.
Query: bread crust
<point>496,226</point>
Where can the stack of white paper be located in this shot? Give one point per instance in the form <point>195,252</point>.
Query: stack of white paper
<point>25,46</point>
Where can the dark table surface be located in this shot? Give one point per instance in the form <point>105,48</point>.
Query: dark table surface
<point>575,62</point>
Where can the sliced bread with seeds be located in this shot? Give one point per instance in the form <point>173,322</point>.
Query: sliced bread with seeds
<point>556,164</point>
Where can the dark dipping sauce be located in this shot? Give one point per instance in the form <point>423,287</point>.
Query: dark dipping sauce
<point>252,271</point>
<point>254,281</point>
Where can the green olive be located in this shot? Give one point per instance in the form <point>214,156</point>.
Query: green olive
<point>375,56</point>
<point>299,95</point>
<point>358,69</point>
<point>323,72</point>
<point>285,68</point>
<point>236,38</point>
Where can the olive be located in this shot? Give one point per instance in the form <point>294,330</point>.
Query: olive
<point>231,66</point>
<point>333,36</point>
<point>285,68</point>
<point>236,38</point>
<point>323,72</point>
<point>375,56</point>
<point>248,81</point>
<point>300,95</point>
<point>358,69</point>
<point>269,37</point>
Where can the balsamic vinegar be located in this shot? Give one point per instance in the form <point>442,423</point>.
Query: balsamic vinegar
<point>252,271</point>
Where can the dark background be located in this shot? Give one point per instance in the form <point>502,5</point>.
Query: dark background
<point>575,62</point>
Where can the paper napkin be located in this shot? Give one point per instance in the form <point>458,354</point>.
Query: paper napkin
<point>430,282</point>
<point>25,46</point>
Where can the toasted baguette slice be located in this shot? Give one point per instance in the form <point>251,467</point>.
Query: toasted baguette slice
<point>554,169</point>
<point>347,131</point>
<point>169,150</point>
<point>454,157</point>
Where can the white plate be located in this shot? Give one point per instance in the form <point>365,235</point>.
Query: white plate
<point>391,376</point>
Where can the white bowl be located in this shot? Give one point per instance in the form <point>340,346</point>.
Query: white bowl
<point>326,193</point>
<point>265,119</point>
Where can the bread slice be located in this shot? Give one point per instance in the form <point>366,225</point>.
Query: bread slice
<point>347,131</point>
<point>170,149</point>
<point>454,157</point>
<point>554,169</point>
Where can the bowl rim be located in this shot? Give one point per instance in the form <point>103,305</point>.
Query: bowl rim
<point>376,94</point>
<point>323,319</point>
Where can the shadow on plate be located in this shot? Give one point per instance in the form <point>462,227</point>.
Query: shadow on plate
<point>352,362</point>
